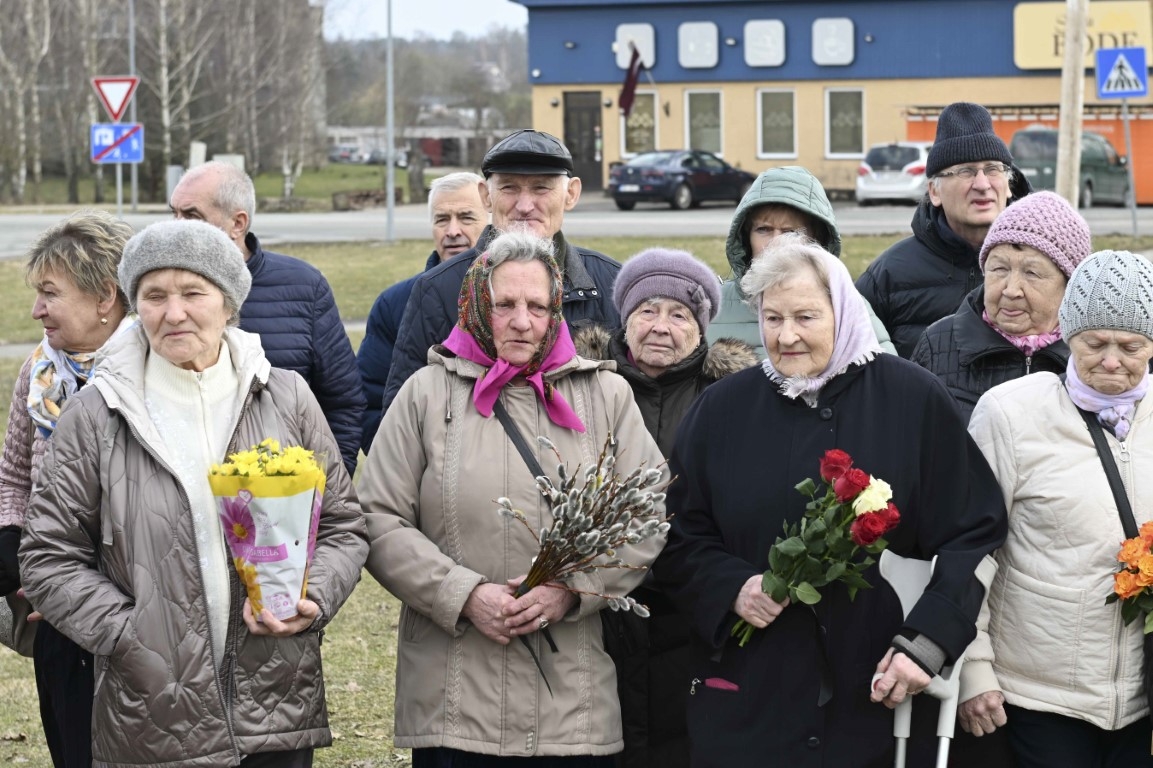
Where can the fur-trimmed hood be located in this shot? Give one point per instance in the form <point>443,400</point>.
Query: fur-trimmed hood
<point>724,356</point>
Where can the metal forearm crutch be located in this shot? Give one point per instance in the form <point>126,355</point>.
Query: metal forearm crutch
<point>909,578</point>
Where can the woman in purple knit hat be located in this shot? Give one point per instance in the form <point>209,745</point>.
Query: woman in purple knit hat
<point>1007,327</point>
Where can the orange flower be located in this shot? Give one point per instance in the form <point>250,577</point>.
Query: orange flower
<point>1145,564</point>
<point>1131,551</point>
<point>1125,584</point>
<point>1146,533</point>
<point>1144,579</point>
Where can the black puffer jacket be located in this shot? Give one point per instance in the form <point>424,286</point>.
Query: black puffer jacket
<point>652,654</point>
<point>665,400</point>
<point>920,279</point>
<point>971,358</point>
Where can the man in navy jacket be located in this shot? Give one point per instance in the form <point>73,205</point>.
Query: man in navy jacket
<point>290,306</point>
<point>458,218</point>
<point>528,185</point>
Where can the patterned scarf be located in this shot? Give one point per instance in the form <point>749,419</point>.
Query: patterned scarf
<point>55,376</point>
<point>1113,411</point>
<point>1029,345</point>
<point>854,341</point>
<point>472,339</point>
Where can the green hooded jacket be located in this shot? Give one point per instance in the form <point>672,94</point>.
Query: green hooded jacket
<point>795,187</point>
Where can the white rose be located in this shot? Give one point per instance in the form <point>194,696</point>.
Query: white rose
<point>874,498</point>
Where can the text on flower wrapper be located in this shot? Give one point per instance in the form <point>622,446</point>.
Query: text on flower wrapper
<point>268,554</point>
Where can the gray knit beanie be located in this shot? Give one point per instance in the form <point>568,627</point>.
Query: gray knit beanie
<point>965,135</point>
<point>1044,221</point>
<point>668,274</point>
<point>1110,290</point>
<point>186,244</point>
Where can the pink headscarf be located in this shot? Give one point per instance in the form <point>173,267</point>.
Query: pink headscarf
<point>854,340</point>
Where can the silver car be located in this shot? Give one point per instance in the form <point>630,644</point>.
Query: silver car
<point>894,171</point>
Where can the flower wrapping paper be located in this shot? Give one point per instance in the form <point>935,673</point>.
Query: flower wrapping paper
<point>270,526</point>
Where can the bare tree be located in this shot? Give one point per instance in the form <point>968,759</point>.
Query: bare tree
<point>20,65</point>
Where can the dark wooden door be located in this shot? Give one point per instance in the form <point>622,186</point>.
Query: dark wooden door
<point>582,136</point>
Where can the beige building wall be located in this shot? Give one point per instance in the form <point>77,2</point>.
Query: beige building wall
<point>888,105</point>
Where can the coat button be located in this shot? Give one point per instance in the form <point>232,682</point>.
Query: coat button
<point>826,414</point>
<point>813,742</point>
<point>580,293</point>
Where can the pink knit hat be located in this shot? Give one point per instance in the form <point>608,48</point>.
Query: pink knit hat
<point>1046,222</point>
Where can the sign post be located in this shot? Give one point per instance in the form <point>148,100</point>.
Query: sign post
<point>1121,73</point>
<point>116,142</point>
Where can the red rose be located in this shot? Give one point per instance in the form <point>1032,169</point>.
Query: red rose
<point>834,464</point>
<point>891,516</point>
<point>850,484</point>
<point>867,528</point>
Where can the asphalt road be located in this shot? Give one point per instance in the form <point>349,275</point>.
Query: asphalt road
<point>595,215</point>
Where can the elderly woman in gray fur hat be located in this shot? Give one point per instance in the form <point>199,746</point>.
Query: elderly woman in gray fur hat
<point>123,549</point>
<point>1058,667</point>
<point>667,299</point>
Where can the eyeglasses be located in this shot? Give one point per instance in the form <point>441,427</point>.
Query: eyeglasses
<point>969,172</point>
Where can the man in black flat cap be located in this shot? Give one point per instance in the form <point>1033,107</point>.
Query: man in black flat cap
<point>529,184</point>
<point>923,278</point>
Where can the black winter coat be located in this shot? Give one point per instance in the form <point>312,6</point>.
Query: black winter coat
<point>292,307</point>
<point>431,311</point>
<point>742,448</point>
<point>920,279</point>
<point>971,358</point>
<point>651,654</point>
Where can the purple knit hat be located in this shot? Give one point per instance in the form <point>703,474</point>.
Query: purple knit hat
<point>1046,222</point>
<point>668,274</point>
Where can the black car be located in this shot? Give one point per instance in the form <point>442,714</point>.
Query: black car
<point>681,177</point>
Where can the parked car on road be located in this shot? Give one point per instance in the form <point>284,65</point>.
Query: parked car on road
<point>345,153</point>
<point>894,171</point>
<point>1104,173</point>
<point>379,156</point>
<point>681,177</point>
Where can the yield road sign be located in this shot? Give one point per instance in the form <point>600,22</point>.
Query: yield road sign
<point>115,93</point>
<point>1121,73</point>
<point>117,143</point>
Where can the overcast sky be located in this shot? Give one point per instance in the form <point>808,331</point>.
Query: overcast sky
<point>358,19</point>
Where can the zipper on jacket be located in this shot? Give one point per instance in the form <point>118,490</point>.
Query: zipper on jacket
<point>229,657</point>
<point>693,686</point>
<point>1028,363</point>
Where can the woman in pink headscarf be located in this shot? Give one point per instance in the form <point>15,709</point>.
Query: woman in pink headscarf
<point>465,695</point>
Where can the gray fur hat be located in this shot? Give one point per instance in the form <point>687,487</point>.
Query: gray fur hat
<point>190,245</point>
<point>1110,290</point>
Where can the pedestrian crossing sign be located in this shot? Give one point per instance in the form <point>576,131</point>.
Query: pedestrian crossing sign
<point>1121,73</point>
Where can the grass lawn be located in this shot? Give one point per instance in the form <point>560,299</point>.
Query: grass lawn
<point>360,645</point>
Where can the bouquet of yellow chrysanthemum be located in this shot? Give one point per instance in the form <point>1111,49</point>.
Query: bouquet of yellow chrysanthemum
<point>270,503</point>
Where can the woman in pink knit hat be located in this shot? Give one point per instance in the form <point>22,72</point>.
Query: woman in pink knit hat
<point>1007,327</point>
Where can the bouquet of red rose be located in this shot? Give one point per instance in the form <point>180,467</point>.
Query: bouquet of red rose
<point>1131,585</point>
<point>850,516</point>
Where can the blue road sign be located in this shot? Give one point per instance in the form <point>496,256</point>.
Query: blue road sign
<point>1121,73</point>
<point>117,143</point>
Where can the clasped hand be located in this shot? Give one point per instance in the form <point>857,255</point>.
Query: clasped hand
<point>756,607</point>
<point>306,613</point>
<point>900,676</point>
<point>500,616</point>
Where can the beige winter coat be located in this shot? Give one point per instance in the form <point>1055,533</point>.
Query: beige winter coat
<point>109,556</point>
<point>428,491</point>
<point>1055,645</point>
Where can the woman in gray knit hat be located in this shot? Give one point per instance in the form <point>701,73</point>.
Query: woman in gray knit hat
<point>1055,664</point>
<point>187,674</point>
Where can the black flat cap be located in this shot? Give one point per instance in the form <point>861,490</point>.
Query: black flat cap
<point>528,152</point>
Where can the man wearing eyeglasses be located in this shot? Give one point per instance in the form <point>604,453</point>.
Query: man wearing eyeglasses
<point>923,278</point>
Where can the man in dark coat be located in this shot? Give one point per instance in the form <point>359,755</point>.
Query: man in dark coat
<point>528,184</point>
<point>923,278</point>
<point>290,306</point>
<point>458,218</point>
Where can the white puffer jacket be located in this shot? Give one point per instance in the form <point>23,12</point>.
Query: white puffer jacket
<point>1052,644</point>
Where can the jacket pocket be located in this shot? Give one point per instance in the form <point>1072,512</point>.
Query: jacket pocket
<point>1044,649</point>
<point>413,626</point>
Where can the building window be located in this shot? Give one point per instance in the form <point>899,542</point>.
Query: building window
<point>703,120</point>
<point>697,44</point>
<point>640,129</point>
<point>844,123</point>
<point>777,124</point>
